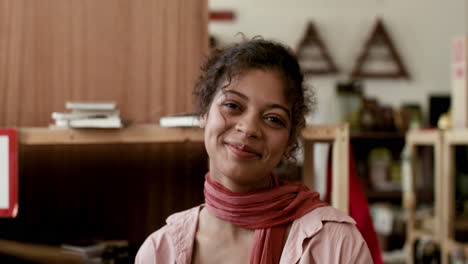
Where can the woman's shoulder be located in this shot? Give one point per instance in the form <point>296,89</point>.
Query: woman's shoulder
<point>172,241</point>
<point>324,214</point>
<point>184,216</point>
<point>327,221</point>
<point>327,234</point>
<point>177,222</point>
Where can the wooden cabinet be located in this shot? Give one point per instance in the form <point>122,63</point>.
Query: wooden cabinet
<point>451,222</point>
<point>128,197</point>
<point>444,226</point>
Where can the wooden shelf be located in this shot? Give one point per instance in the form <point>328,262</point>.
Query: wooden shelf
<point>133,134</point>
<point>142,134</point>
<point>424,234</point>
<point>371,135</point>
<point>423,137</point>
<point>456,137</point>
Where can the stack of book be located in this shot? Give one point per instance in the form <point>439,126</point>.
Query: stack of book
<point>90,253</point>
<point>89,115</point>
<point>100,252</point>
<point>180,120</point>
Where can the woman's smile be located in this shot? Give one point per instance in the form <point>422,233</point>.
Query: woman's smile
<point>244,151</point>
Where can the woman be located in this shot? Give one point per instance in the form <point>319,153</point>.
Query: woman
<point>251,102</point>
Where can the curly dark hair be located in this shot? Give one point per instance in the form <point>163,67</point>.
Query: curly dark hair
<point>226,64</point>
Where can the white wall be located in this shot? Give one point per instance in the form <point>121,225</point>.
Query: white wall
<point>422,31</point>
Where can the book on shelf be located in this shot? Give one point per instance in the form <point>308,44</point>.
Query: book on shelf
<point>78,105</point>
<point>89,115</point>
<point>180,120</point>
<point>85,114</point>
<point>87,251</point>
<point>106,122</point>
<point>100,251</point>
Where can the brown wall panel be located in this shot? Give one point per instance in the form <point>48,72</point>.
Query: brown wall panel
<point>144,54</point>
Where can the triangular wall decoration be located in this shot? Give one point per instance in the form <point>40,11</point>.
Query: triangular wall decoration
<point>313,55</point>
<point>379,48</point>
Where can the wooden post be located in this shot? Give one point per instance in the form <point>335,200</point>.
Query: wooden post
<point>338,135</point>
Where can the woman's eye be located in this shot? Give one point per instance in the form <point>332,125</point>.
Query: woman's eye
<point>232,106</point>
<point>275,120</point>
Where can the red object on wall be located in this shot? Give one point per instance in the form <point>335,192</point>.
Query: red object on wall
<point>222,16</point>
<point>12,209</point>
<point>358,207</point>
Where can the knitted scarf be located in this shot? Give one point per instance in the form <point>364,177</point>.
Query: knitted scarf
<point>268,211</point>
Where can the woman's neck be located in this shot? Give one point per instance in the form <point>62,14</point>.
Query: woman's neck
<point>235,185</point>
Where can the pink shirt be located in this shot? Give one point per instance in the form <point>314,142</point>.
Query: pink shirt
<point>325,235</point>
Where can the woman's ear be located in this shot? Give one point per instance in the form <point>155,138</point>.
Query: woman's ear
<point>202,120</point>
<point>289,152</point>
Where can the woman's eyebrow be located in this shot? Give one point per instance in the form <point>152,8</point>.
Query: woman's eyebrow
<point>273,105</point>
<point>243,96</point>
<point>280,107</point>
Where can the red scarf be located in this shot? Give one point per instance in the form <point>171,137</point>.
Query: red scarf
<point>268,211</point>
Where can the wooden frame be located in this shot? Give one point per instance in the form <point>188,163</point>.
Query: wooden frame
<point>338,136</point>
<point>451,139</point>
<point>312,38</point>
<point>413,139</point>
<point>379,36</point>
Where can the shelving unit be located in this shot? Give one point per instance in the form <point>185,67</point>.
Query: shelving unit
<point>429,228</point>
<point>440,228</point>
<point>450,140</point>
<point>338,135</point>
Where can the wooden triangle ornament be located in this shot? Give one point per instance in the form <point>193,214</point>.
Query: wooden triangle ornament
<point>313,55</point>
<point>379,48</point>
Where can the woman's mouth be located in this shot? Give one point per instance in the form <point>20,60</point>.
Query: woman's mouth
<point>243,151</point>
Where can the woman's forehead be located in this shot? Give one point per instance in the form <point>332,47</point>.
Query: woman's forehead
<point>256,79</point>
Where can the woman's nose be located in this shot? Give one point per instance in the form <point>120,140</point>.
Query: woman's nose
<point>249,125</point>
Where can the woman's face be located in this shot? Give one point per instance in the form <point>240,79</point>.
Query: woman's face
<point>247,130</point>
